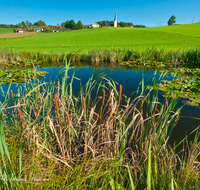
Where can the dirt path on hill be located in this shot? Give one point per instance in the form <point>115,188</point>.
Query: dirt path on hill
<point>17,35</point>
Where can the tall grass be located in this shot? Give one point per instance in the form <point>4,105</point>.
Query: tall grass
<point>191,56</point>
<point>93,140</point>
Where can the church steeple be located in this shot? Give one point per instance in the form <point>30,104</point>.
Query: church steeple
<point>115,19</point>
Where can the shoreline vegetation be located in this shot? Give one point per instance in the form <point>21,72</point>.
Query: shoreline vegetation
<point>51,139</point>
<point>149,58</point>
<point>191,56</point>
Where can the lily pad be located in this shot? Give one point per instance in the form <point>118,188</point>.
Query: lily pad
<point>190,103</point>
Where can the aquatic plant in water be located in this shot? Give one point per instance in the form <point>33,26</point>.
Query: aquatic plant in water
<point>186,84</point>
<point>19,75</point>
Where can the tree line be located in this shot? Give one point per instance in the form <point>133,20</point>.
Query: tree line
<point>119,24</point>
<point>70,24</point>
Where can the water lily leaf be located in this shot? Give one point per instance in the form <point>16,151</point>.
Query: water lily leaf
<point>189,103</point>
<point>197,100</point>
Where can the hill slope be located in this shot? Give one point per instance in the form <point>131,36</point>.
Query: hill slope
<point>108,38</point>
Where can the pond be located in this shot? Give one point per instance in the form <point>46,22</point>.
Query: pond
<point>129,78</point>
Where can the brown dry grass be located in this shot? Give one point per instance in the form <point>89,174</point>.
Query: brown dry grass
<point>17,35</point>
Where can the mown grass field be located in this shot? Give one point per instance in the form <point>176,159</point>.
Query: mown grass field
<point>109,38</point>
<point>6,30</point>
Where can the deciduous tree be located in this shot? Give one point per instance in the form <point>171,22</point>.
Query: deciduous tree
<point>40,23</point>
<point>172,20</point>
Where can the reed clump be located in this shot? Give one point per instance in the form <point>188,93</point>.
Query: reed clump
<point>92,140</point>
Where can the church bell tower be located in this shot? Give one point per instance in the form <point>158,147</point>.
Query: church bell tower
<point>115,20</point>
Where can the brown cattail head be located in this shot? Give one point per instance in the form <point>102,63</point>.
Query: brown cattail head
<point>84,106</point>
<point>88,98</point>
<point>56,103</point>
<point>11,92</point>
<point>156,105</point>
<point>120,94</point>
<point>103,98</point>
<point>71,107</point>
<point>20,115</point>
<point>165,106</point>
<point>68,118</point>
<point>38,94</point>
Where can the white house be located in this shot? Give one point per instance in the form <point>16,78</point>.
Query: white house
<point>94,25</point>
<point>20,30</point>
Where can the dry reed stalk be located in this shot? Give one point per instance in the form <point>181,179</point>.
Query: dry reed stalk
<point>155,108</point>
<point>96,120</point>
<point>84,109</point>
<point>84,106</point>
<point>68,123</point>
<point>120,94</point>
<point>109,102</point>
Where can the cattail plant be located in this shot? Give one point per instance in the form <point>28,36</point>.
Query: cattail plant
<point>56,103</point>
<point>84,105</point>
<point>120,94</point>
<point>165,106</point>
<point>21,117</point>
<point>11,92</point>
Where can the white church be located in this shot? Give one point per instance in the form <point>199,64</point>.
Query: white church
<point>115,20</point>
<point>97,25</point>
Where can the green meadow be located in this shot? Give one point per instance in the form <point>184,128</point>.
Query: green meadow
<point>6,30</point>
<point>111,38</point>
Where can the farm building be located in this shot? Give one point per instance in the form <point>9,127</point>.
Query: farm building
<point>94,25</point>
<point>57,28</point>
<point>20,30</point>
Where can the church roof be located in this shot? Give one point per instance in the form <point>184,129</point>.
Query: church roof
<point>115,16</point>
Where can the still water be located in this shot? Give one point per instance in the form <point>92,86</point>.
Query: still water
<point>129,79</point>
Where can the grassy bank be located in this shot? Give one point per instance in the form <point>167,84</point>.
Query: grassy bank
<point>191,56</point>
<point>98,139</point>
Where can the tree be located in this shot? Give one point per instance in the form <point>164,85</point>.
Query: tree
<point>72,24</point>
<point>79,25</point>
<point>27,23</point>
<point>66,24</point>
<point>40,23</point>
<point>23,24</point>
<point>172,20</point>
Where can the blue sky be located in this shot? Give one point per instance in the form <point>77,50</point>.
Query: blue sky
<point>149,13</point>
